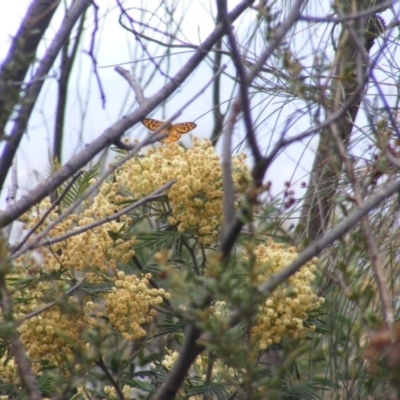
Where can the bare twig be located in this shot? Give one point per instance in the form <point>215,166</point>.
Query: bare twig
<point>315,248</point>
<point>133,83</point>
<point>116,130</point>
<point>227,181</point>
<point>233,225</point>
<point>138,38</point>
<point>146,59</point>
<point>243,83</point>
<point>151,197</point>
<point>11,195</point>
<point>22,53</point>
<point>333,234</point>
<point>192,255</point>
<point>343,18</point>
<point>66,64</point>
<point>77,202</point>
<point>170,44</point>
<point>218,115</point>
<point>44,216</point>
<point>91,52</point>
<point>372,246</point>
<point>35,86</point>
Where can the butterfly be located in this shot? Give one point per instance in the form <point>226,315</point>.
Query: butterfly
<point>175,131</point>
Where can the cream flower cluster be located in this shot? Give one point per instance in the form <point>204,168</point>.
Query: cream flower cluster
<point>220,372</point>
<point>111,393</point>
<point>199,368</point>
<point>94,251</point>
<point>286,308</point>
<point>57,334</point>
<point>129,305</point>
<point>196,198</point>
<point>8,371</point>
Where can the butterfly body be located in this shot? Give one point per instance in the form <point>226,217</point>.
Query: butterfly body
<point>175,131</point>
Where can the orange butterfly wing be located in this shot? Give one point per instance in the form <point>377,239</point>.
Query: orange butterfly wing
<point>174,131</point>
<point>152,124</point>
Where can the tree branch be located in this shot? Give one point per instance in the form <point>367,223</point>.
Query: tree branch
<point>37,243</point>
<point>35,86</point>
<point>67,61</point>
<point>22,54</point>
<point>115,131</point>
<point>25,371</point>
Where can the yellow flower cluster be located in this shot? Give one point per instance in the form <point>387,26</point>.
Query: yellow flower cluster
<point>55,336</point>
<point>111,393</point>
<point>196,198</point>
<point>8,371</point>
<point>286,308</point>
<point>220,372</point>
<point>219,310</point>
<point>94,251</point>
<point>129,305</point>
<point>59,333</point>
<point>198,369</point>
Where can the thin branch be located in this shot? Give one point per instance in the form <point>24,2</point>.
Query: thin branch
<point>44,216</point>
<point>243,83</point>
<point>372,246</point>
<point>35,86</point>
<point>343,18</point>
<point>66,294</point>
<point>146,59</point>
<point>138,38</point>
<point>91,52</point>
<point>21,358</point>
<point>189,351</point>
<point>134,84</point>
<point>232,225</point>
<point>36,241</point>
<point>67,61</point>
<point>227,179</point>
<point>22,54</point>
<point>168,35</point>
<point>151,197</point>
<point>192,255</point>
<point>113,382</point>
<point>329,237</point>
<point>115,131</point>
<point>217,113</point>
<point>276,40</point>
<point>315,248</point>
<point>11,195</point>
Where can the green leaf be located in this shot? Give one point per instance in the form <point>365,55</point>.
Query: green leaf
<point>79,186</point>
<point>171,327</point>
<point>219,390</point>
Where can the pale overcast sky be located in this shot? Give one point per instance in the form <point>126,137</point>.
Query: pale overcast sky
<point>114,48</point>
